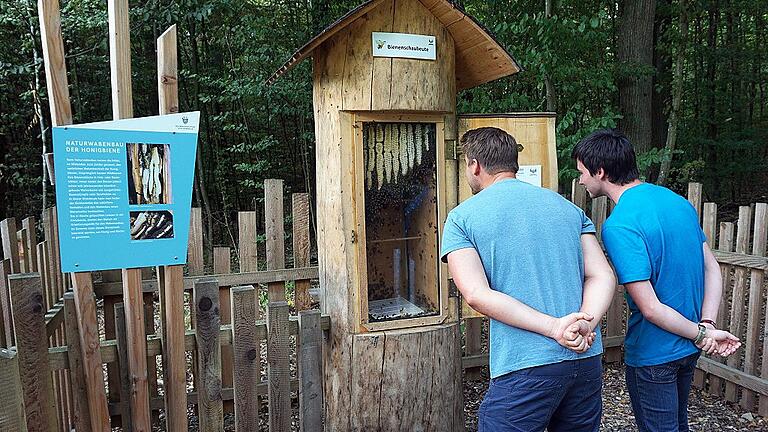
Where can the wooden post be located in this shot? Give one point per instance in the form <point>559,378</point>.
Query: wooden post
<point>120,59</point>
<point>301,247</point>
<point>195,262</point>
<point>170,278</point>
<point>149,330</point>
<point>310,371</point>
<point>137,349</point>
<point>694,196</point>
<point>30,232</point>
<point>126,420</point>
<point>473,343</point>
<point>275,232</point>
<point>207,330</point>
<point>5,302</point>
<point>247,357</point>
<point>725,245</point>
<point>10,244</point>
<point>11,396</point>
<point>32,349</point>
<point>171,286</point>
<point>55,66</point>
<point>709,226</point>
<point>578,194</point>
<point>75,360</point>
<point>739,292</point>
<point>222,265</point>
<point>113,368</point>
<point>278,369</point>
<point>22,248</point>
<point>248,253</point>
<point>756,278</point>
<point>599,214</point>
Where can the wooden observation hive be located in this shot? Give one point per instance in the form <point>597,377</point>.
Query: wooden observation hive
<point>387,175</point>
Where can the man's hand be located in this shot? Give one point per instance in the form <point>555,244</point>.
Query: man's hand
<point>567,331</point>
<point>719,342</point>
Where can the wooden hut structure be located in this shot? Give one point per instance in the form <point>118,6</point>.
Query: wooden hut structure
<point>387,174</point>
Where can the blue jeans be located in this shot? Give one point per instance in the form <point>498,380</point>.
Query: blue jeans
<point>659,394</point>
<point>563,396</point>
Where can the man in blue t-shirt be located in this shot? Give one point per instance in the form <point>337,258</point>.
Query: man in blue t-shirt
<point>529,260</point>
<point>661,257</point>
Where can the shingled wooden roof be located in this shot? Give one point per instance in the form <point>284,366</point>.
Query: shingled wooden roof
<point>479,57</point>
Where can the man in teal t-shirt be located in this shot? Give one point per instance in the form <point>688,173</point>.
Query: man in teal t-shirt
<point>529,260</point>
<point>661,257</point>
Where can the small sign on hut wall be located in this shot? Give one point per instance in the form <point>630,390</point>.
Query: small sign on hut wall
<point>530,174</point>
<point>403,45</point>
<point>124,191</point>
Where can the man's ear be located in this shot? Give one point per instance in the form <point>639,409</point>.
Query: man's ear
<point>600,174</point>
<point>476,167</point>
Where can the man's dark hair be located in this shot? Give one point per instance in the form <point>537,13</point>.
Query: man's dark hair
<point>493,148</point>
<point>610,150</point>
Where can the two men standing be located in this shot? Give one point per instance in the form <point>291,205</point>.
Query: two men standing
<point>529,260</point>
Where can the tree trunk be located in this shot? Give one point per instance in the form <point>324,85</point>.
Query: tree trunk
<point>677,94</point>
<point>550,88</point>
<point>635,54</point>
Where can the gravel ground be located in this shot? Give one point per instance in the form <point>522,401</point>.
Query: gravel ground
<point>705,412</point>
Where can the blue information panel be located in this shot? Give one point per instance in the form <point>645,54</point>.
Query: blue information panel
<point>124,191</point>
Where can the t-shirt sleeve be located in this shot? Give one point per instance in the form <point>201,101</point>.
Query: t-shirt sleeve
<point>454,237</point>
<point>628,253</point>
<point>587,227</point>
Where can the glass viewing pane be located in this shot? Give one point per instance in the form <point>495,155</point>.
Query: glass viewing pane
<point>401,220</point>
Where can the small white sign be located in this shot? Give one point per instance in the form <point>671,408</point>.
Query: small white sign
<point>404,45</point>
<point>530,174</point>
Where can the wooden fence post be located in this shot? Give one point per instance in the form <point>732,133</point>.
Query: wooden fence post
<point>739,293</point>
<point>694,197</point>
<point>5,303</point>
<point>11,399</point>
<point>278,369</point>
<point>310,361</point>
<point>137,349</point>
<point>207,330</point>
<point>222,265</point>
<point>275,231</point>
<point>32,349</point>
<point>725,244</point>
<point>171,286</point>
<point>578,194</point>
<point>756,279</point>
<point>126,418</point>
<point>10,244</point>
<point>75,360</point>
<point>247,357</point>
<point>30,231</point>
<point>709,226</point>
<point>301,247</point>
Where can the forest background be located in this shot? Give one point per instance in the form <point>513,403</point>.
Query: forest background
<point>685,79</point>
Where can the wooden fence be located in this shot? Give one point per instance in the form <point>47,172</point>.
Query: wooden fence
<point>52,344</point>
<point>740,248</point>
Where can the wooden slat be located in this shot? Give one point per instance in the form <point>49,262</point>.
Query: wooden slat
<point>195,263</point>
<point>599,214</point>
<point>275,232</point>
<point>734,376</point>
<point>52,266</point>
<point>736,326</point>
<point>137,349</point>
<point>30,233</point>
<point>694,196</point>
<point>55,67</point>
<point>614,323</point>
<point>578,194</point>
<point>725,245</point>
<point>11,397</point>
<point>5,302</point>
<point>278,368</point>
<point>235,279</point>
<point>310,368</point>
<point>174,359</point>
<point>23,248</point>
<point>108,349</point>
<point>222,265</point>
<point>247,358</point>
<point>114,277</point>
<point>209,355</point>
<point>32,347</point>
<point>752,340</point>
<point>81,410</point>
<point>167,72</point>
<point>10,244</point>
<point>742,260</point>
<point>709,226</point>
<point>301,247</point>
<point>120,59</point>
<point>473,328</point>
<point>126,420</point>
<point>248,253</point>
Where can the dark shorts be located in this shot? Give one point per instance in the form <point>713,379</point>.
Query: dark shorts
<point>563,396</point>
<point>659,394</point>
